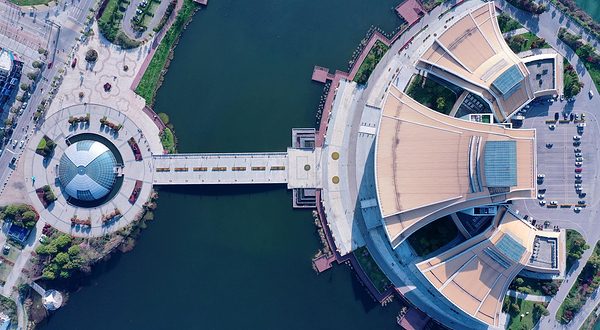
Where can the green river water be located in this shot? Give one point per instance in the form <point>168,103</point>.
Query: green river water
<point>238,257</point>
<point>592,7</point>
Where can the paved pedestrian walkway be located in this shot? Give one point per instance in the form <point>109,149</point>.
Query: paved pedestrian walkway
<point>515,32</point>
<point>528,297</point>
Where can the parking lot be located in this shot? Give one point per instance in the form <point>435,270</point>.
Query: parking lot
<point>556,160</point>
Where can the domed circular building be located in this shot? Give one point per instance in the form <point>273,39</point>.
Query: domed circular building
<point>87,170</point>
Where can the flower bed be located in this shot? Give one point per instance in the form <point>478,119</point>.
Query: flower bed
<point>136,192</point>
<point>45,147</point>
<point>115,127</point>
<point>74,120</point>
<point>135,148</point>
<point>45,195</point>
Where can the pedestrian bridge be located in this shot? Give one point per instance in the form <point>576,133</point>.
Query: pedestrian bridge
<point>296,168</point>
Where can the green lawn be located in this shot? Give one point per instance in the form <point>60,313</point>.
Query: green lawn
<point>433,236</point>
<point>30,2</point>
<point>5,269</point>
<point>13,254</point>
<point>508,23</point>
<point>370,268</point>
<point>107,15</point>
<point>517,322</point>
<point>148,84</point>
<point>529,39</point>
<point>432,94</point>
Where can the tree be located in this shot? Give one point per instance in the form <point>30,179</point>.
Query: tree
<point>62,258</point>
<point>515,308</point>
<point>22,208</point>
<point>28,216</point>
<point>519,281</point>
<point>8,121</point>
<point>525,289</point>
<point>23,289</point>
<point>19,98</point>
<point>42,51</point>
<point>540,308</point>
<point>91,55</point>
<point>74,250</point>
<point>14,110</point>
<point>24,87</point>
<point>42,249</point>
<point>10,212</point>
<point>62,241</point>
<point>440,103</point>
<point>31,76</point>
<point>48,274</point>
<point>516,43</point>
<point>36,64</point>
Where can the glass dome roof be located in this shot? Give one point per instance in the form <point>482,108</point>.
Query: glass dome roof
<point>87,170</point>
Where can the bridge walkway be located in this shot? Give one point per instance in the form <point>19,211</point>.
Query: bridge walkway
<point>221,168</point>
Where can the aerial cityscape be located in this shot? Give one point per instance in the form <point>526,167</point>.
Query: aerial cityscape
<point>171,164</point>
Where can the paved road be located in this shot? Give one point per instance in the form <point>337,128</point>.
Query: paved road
<point>158,14</point>
<point>546,26</point>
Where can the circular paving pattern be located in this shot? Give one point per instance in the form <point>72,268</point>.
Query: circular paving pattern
<point>92,171</point>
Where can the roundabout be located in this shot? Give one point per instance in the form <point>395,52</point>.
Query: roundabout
<point>100,182</point>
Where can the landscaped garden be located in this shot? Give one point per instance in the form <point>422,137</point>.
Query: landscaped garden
<point>150,80</point>
<point>22,215</point>
<point>524,314</point>
<point>526,41</point>
<point>572,85</point>
<point>45,147</point>
<point>575,247</point>
<point>508,23</point>
<point>585,51</point>
<point>535,286</point>
<point>370,62</point>
<point>110,24</point>
<point>168,140</point>
<point>587,282</point>
<point>369,266</point>
<point>433,236</point>
<point>528,6</point>
<point>432,94</point>
<point>45,195</point>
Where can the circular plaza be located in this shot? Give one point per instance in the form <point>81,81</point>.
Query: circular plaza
<point>97,165</point>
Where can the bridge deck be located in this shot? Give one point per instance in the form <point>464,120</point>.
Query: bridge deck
<point>264,167</point>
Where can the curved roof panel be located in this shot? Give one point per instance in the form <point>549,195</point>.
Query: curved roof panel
<point>86,170</point>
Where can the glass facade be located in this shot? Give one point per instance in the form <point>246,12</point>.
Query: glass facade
<point>87,170</point>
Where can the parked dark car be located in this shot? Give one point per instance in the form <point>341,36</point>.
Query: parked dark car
<point>74,63</point>
<point>572,117</point>
<point>556,116</point>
